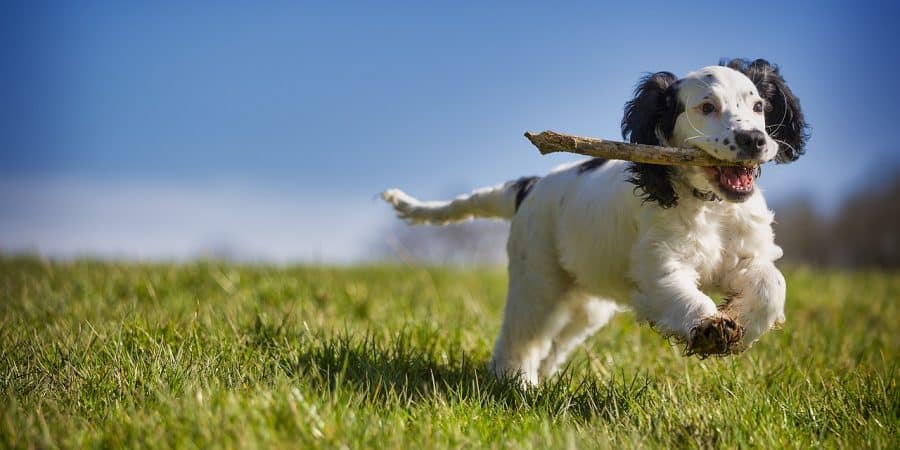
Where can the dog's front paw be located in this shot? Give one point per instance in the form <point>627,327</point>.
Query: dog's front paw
<point>716,335</point>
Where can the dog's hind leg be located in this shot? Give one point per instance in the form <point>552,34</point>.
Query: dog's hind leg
<point>586,316</point>
<point>536,309</point>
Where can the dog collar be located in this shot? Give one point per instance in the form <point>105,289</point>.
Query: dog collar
<point>708,196</point>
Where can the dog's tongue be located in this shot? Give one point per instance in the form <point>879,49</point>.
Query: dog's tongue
<point>737,177</point>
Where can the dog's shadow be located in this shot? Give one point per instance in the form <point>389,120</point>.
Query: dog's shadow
<point>399,372</point>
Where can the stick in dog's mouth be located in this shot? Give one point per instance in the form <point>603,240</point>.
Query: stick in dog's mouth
<point>551,142</point>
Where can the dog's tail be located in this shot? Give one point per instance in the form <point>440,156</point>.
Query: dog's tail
<point>499,202</point>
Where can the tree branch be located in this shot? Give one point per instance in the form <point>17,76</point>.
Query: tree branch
<point>551,142</point>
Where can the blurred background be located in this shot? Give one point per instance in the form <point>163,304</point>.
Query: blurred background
<point>264,131</point>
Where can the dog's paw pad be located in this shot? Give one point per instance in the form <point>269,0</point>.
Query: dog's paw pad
<point>716,335</point>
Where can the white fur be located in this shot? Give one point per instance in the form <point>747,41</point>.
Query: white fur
<point>583,245</point>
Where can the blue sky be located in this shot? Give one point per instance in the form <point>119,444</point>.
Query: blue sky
<point>157,130</point>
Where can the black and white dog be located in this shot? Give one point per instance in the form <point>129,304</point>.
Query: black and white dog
<point>591,238</point>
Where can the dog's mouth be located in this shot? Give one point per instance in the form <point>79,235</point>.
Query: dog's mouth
<point>736,182</point>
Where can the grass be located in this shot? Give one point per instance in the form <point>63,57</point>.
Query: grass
<point>215,355</point>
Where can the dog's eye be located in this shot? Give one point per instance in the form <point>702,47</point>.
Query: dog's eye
<point>758,107</point>
<point>707,108</point>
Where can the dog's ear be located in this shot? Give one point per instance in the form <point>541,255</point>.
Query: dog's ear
<point>652,111</point>
<point>784,119</point>
<point>649,116</point>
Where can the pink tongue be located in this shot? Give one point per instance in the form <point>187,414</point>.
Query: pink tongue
<point>736,177</point>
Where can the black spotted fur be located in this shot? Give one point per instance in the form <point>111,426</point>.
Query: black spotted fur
<point>523,187</point>
<point>784,119</point>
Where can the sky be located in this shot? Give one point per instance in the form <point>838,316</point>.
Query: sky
<point>165,130</point>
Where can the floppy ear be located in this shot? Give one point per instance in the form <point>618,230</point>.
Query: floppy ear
<point>784,119</point>
<point>649,116</point>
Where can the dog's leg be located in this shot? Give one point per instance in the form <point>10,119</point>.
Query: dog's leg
<point>533,315</point>
<point>668,296</point>
<point>586,316</point>
<point>757,303</point>
<point>684,312</point>
<point>535,310</point>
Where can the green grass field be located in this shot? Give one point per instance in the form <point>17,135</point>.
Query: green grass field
<point>217,355</point>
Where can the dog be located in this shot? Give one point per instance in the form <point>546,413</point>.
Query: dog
<point>596,237</point>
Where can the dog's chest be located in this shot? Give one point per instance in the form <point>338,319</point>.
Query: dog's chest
<point>704,245</point>
<point>723,237</point>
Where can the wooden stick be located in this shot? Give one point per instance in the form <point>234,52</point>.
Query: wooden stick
<point>551,142</point>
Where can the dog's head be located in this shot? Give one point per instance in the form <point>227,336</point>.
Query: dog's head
<point>738,112</point>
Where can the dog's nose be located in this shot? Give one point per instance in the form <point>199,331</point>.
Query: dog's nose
<point>751,142</point>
